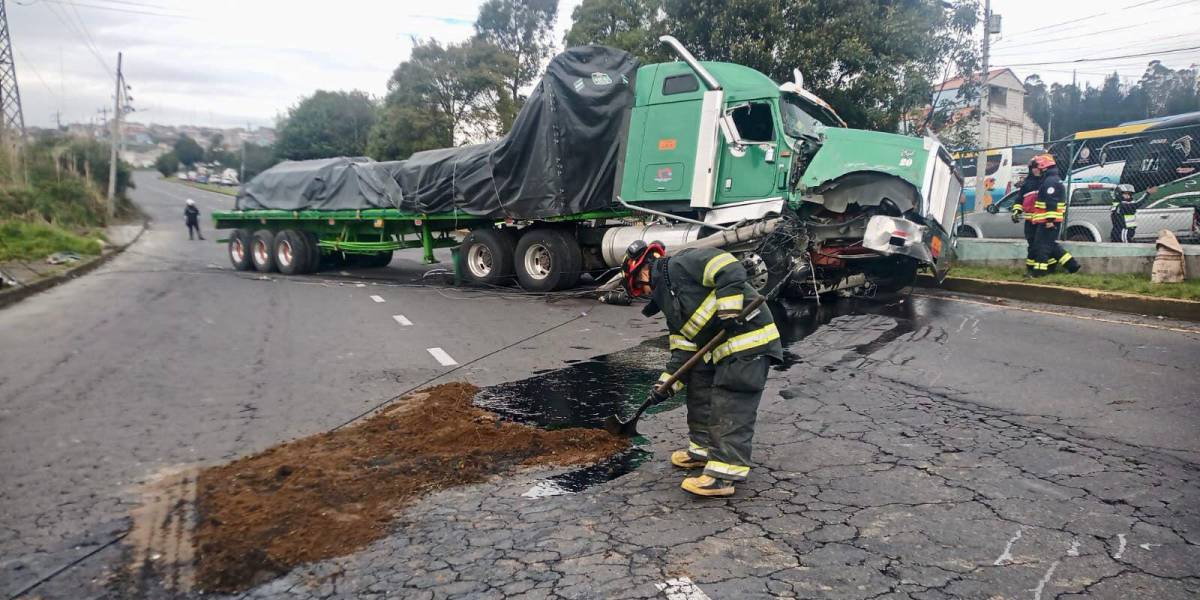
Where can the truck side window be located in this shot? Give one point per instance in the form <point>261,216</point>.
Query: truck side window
<point>680,84</point>
<point>754,123</point>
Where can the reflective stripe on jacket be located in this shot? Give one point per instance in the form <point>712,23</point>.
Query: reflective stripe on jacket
<point>691,288</point>
<point>1049,205</point>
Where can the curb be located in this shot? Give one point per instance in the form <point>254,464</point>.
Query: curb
<point>1187,310</point>
<point>10,297</point>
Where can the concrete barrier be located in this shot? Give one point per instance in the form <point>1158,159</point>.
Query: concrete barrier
<point>1095,257</point>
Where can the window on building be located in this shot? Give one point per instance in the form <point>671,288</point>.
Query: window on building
<point>997,96</point>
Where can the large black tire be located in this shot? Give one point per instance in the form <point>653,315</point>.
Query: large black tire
<point>239,249</point>
<point>548,260</point>
<point>1080,235</point>
<point>291,253</point>
<point>900,273</point>
<point>372,261</point>
<point>262,250</point>
<point>314,256</point>
<point>487,256</point>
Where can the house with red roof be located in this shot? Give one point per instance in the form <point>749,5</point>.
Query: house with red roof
<point>1008,123</point>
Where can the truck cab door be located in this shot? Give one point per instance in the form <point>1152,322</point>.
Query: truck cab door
<point>748,163</point>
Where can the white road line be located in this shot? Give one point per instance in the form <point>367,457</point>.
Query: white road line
<point>545,488</point>
<point>403,320</point>
<point>442,357</point>
<point>1120,546</point>
<point>1074,549</point>
<point>377,298</point>
<point>681,589</point>
<point>1041,586</point>
<point>1007,554</point>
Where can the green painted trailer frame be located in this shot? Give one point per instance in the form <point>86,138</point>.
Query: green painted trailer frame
<point>375,230</point>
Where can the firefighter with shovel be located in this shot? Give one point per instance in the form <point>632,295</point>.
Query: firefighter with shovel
<point>722,340</point>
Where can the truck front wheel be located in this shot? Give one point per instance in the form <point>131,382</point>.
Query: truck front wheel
<point>240,241</point>
<point>262,251</point>
<point>548,260</point>
<point>487,256</point>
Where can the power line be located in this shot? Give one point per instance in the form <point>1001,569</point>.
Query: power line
<point>1080,22</point>
<point>118,9</point>
<point>1106,58</point>
<point>31,67</point>
<point>70,25</point>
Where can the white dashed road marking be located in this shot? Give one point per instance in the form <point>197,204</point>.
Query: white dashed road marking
<point>377,298</point>
<point>442,357</point>
<point>681,589</point>
<point>403,320</point>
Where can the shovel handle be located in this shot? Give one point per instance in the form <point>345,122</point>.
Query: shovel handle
<point>716,339</point>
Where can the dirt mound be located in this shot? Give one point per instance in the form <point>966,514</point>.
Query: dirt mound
<point>332,493</point>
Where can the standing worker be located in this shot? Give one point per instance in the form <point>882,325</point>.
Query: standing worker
<point>691,288</point>
<point>1047,217</point>
<point>191,214</point>
<point>1028,197</point>
<point>1124,215</point>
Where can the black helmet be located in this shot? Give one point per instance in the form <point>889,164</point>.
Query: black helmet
<point>636,256</point>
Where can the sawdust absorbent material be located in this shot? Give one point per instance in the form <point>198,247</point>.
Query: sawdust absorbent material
<point>333,493</point>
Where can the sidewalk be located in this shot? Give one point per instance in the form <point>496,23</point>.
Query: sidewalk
<point>21,279</point>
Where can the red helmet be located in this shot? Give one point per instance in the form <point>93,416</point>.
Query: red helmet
<point>1042,161</point>
<point>636,256</point>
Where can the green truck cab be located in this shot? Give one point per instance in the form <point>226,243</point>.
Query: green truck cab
<point>722,144</point>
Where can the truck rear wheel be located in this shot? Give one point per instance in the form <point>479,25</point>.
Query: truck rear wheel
<point>239,250</point>
<point>262,251</point>
<point>314,251</point>
<point>487,256</point>
<point>291,253</point>
<point>548,260</point>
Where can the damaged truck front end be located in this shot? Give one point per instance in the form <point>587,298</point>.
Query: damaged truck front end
<point>719,149</point>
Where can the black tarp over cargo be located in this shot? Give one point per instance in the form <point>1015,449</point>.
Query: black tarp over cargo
<point>560,157</point>
<point>323,184</point>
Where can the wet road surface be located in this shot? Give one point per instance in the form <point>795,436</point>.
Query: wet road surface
<point>928,446</point>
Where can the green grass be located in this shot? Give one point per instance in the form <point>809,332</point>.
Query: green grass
<point>228,190</point>
<point>21,240</point>
<point>1127,283</point>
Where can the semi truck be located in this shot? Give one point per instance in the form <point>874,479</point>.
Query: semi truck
<point>704,154</point>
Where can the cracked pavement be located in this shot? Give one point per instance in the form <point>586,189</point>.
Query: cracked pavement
<point>927,447</point>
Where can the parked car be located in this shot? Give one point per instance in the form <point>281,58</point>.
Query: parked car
<point>1088,218</point>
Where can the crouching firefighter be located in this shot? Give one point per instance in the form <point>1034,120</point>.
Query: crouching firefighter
<point>1124,215</point>
<point>702,291</point>
<point>1047,217</point>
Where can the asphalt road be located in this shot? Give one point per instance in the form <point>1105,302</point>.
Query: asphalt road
<point>930,446</point>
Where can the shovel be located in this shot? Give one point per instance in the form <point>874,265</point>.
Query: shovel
<point>628,428</point>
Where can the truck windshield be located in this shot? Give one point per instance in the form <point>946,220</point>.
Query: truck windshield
<point>802,118</point>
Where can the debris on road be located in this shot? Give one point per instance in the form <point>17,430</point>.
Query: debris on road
<point>62,258</point>
<point>330,494</point>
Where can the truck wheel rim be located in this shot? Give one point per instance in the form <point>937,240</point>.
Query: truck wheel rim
<point>537,261</point>
<point>237,251</point>
<point>261,254</point>
<point>284,255</point>
<point>479,260</point>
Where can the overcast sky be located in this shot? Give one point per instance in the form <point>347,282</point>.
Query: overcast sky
<point>227,63</point>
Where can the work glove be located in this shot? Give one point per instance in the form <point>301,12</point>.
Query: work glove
<point>731,322</point>
<point>658,397</point>
<point>1017,213</point>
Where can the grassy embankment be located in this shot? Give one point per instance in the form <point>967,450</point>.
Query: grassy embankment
<point>48,204</point>
<point>1126,283</point>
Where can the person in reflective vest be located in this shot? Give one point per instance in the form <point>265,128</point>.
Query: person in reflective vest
<point>1124,215</point>
<point>1046,214</point>
<point>702,291</point>
<point>1027,195</point>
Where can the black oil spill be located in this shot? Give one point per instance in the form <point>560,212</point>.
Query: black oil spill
<point>584,393</point>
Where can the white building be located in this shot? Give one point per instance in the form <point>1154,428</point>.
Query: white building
<point>1008,122</point>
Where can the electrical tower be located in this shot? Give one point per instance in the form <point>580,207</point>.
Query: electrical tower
<point>10,95</point>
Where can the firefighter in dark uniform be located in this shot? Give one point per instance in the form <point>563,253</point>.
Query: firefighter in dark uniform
<point>702,291</point>
<point>1124,214</point>
<point>1047,216</point>
<point>1026,196</point>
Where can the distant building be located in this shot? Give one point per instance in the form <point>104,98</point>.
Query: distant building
<point>1008,122</point>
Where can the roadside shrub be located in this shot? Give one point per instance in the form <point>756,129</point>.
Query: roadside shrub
<point>22,240</point>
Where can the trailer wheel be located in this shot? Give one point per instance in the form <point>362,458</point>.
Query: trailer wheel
<point>262,250</point>
<point>487,256</point>
<point>239,250</point>
<point>314,251</point>
<point>548,260</point>
<point>291,253</point>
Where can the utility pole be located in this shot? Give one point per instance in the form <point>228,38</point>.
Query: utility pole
<point>115,142</point>
<point>13,119</point>
<point>981,155</point>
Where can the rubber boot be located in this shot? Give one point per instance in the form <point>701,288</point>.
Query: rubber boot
<point>708,487</point>
<point>684,460</point>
